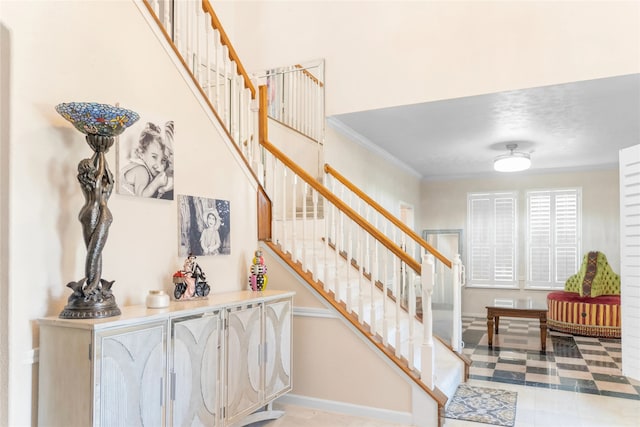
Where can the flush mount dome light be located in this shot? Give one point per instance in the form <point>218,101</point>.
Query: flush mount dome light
<point>515,161</point>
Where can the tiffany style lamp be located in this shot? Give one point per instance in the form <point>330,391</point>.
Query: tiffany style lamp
<point>101,123</point>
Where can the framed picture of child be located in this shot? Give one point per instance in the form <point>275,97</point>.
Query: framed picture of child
<point>205,227</point>
<point>145,159</point>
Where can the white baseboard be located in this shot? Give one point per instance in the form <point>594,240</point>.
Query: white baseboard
<point>350,409</point>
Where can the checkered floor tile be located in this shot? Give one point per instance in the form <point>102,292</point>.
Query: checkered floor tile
<point>573,363</point>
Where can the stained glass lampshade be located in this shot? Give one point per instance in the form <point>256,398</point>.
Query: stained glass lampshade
<point>97,119</point>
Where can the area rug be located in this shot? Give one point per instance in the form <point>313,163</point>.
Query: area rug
<point>483,405</point>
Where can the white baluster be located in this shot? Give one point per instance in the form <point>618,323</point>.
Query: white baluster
<point>385,300</point>
<point>243,120</point>
<point>274,193</point>
<point>456,336</point>
<point>234,122</point>
<point>396,293</point>
<point>295,107</point>
<point>348,253</point>
<point>168,22</point>
<point>294,217</point>
<point>289,107</point>
<point>177,22</point>
<point>326,245</point>
<point>359,244</point>
<point>188,35</point>
<point>284,209</point>
<point>338,234</point>
<point>412,313</point>
<point>372,282</point>
<point>225,87</point>
<point>217,48</point>
<point>427,364</point>
<point>314,200</point>
<point>197,56</point>
<point>208,41</point>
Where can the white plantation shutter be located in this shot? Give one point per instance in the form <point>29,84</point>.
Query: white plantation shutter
<point>630,259</point>
<point>492,239</point>
<point>553,237</point>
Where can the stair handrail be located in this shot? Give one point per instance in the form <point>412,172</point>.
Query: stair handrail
<point>243,143</point>
<point>455,265</point>
<point>388,215</point>
<point>324,191</point>
<point>342,206</point>
<point>224,39</point>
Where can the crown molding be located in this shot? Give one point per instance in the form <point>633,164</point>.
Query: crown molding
<point>345,130</point>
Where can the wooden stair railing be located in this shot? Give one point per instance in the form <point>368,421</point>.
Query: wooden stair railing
<point>386,214</point>
<point>214,68</point>
<point>355,315</point>
<point>420,242</point>
<point>343,207</point>
<point>438,396</point>
<point>297,98</point>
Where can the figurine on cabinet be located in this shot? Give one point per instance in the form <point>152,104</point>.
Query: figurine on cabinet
<point>258,277</point>
<point>190,282</point>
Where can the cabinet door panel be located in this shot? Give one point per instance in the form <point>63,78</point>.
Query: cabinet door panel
<point>244,381</point>
<point>195,368</point>
<point>130,376</point>
<point>278,348</point>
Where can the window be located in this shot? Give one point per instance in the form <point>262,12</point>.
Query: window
<point>492,239</point>
<point>553,237</point>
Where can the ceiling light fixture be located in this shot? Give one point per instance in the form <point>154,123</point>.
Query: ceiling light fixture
<point>515,161</point>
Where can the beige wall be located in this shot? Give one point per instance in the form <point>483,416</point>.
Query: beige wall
<point>304,151</point>
<point>384,180</point>
<point>384,53</point>
<point>444,206</point>
<point>101,51</point>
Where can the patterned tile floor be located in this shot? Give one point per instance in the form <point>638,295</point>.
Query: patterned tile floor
<point>571,363</point>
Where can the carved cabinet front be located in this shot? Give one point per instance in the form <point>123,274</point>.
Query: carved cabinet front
<point>193,364</point>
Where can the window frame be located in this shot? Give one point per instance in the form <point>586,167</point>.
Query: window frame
<point>492,283</point>
<point>555,282</point>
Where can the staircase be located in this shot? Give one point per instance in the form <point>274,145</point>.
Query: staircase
<point>371,281</point>
<point>371,305</point>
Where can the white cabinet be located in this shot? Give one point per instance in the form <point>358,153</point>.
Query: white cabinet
<point>197,363</point>
<point>243,347</point>
<point>258,348</point>
<point>277,342</point>
<point>129,376</point>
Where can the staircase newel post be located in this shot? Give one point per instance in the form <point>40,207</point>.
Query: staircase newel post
<point>427,367</point>
<point>456,335</point>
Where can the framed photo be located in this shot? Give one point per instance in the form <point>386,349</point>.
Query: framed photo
<point>205,227</point>
<point>145,160</point>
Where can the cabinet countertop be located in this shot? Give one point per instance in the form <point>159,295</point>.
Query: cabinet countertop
<point>175,309</point>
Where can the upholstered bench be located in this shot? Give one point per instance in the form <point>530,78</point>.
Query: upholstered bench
<point>591,316</point>
<point>590,302</point>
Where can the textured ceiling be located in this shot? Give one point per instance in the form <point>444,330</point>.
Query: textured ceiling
<point>573,126</point>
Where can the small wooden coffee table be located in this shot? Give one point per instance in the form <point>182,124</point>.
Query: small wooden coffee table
<point>521,308</point>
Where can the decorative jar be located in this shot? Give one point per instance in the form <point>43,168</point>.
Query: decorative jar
<point>157,299</point>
